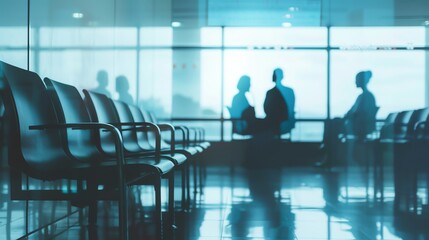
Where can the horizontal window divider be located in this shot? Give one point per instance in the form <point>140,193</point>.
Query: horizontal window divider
<point>103,48</point>
<point>232,119</point>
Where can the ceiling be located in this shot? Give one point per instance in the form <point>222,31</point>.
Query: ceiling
<point>194,13</point>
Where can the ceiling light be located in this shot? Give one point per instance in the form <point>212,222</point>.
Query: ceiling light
<point>293,9</point>
<point>176,24</point>
<point>426,23</point>
<point>287,24</point>
<point>287,15</point>
<point>77,15</point>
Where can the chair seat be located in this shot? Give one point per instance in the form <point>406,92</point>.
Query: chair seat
<point>191,150</point>
<point>163,165</point>
<point>205,145</point>
<point>176,158</point>
<point>402,141</point>
<point>199,149</point>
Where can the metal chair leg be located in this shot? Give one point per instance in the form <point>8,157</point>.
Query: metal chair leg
<point>171,200</point>
<point>201,175</point>
<point>195,176</point>
<point>158,214</point>
<point>188,185</point>
<point>183,176</point>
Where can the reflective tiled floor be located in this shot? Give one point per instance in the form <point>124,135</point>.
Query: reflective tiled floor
<point>281,203</point>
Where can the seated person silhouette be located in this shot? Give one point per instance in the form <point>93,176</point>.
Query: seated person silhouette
<point>279,106</point>
<point>358,122</point>
<point>360,119</point>
<point>241,110</point>
<point>122,87</point>
<point>103,81</point>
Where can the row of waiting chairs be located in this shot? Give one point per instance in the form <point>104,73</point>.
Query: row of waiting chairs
<point>55,134</point>
<point>406,135</point>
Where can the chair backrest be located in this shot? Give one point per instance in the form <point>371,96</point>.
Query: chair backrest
<point>142,137</point>
<point>101,110</point>
<point>390,119</point>
<point>423,133</point>
<point>150,117</point>
<point>71,108</point>
<point>418,115</point>
<point>386,131</point>
<point>129,136</point>
<point>401,123</point>
<point>38,153</point>
<point>238,125</point>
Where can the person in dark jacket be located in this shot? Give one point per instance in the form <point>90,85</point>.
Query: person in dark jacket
<point>275,106</point>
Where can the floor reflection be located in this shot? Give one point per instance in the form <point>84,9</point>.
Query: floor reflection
<point>281,203</point>
<point>264,216</point>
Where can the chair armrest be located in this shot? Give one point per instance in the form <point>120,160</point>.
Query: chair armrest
<point>420,125</point>
<point>75,126</point>
<point>90,126</point>
<point>197,134</point>
<point>190,130</point>
<point>185,134</point>
<point>119,146</point>
<point>169,127</point>
<point>419,128</point>
<point>142,126</point>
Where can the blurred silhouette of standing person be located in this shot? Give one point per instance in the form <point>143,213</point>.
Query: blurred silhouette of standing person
<point>241,108</point>
<point>103,81</point>
<point>279,106</point>
<point>360,119</point>
<point>122,87</point>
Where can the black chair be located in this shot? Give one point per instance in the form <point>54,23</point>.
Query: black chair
<point>83,145</point>
<point>385,133</point>
<point>197,143</point>
<point>183,146</point>
<point>36,146</point>
<point>140,143</point>
<point>419,156</point>
<point>161,166</point>
<point>405,163</point>
<point>145,138</point>
<point>238,128</point>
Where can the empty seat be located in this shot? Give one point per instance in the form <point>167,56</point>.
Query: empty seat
<point>37,149</point>
<point>83,144</point>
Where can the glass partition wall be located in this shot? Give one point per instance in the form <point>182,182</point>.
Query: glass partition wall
<point>190,74</point>
<point>185,74</point>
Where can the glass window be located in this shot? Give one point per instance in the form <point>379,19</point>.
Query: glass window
<point>211,75</point>
<point>79,67</point>
<point>15,57</point>
<point>304,72</point>
<point>307,132</point>
<point>13,37</point>
<point>87,36</point>
<point>276,37</point>
<point>372,37</point>
<point>211,36</point>
<point>156,81</point>
<point>196,84</point>
<point>13,44</point>
<point>156,36</point>
<point>197,37</point>
<point>398,79</point>
<point>212,128</point>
